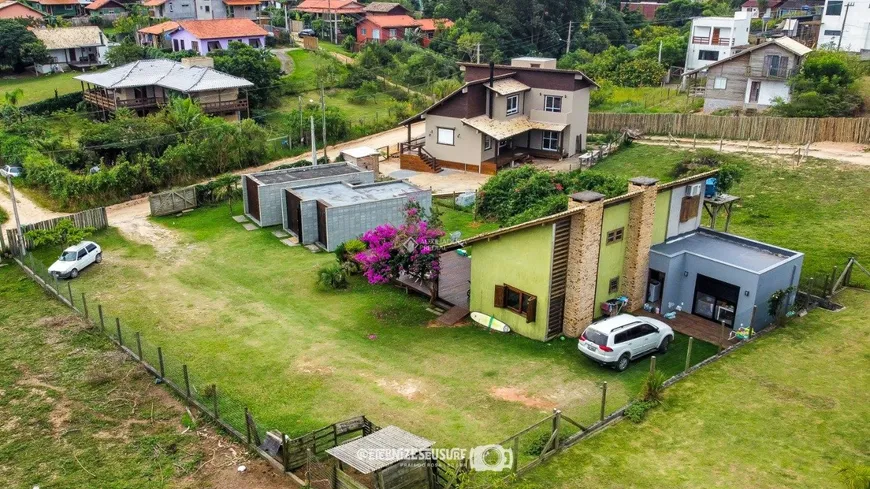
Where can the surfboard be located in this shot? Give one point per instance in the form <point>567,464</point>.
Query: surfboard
<point>490,322</point>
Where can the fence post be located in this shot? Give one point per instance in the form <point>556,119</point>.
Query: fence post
<point>85,306</point>
<point>752,319</point>
<point>139,345</point>
<point>160,360</point>
<point>557,424</point>
<point>515,458</point>
<point>721,336</point>
<point>69,290</point>
<point>186,382</point>
<point>603,399</point>
<point>689,354</point>
<point>100,311</point>
<point>215,400</point>
<point>285,454</point>
<point>247,426</point>
<point>118,330</point>
<point>652,364</point>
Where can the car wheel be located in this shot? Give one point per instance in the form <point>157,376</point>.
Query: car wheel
<point>99,258</point>
<point>666,343</point>
<point>74,273</point>
<point>622,363</point>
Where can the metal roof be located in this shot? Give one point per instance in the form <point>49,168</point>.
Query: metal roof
<point>381,449</point>
<point>303,173</point>
<point>503,129</point>
<point>337,194</point>
<point>164,73</point>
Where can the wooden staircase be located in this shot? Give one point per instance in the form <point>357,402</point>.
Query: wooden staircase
<point>430,160</point>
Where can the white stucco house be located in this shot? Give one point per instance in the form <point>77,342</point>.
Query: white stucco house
<point>715,38</point>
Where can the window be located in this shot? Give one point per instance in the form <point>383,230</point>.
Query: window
<point>207,8</point>
<point>719,83</point>
<point>247,7</point>
<point>82,254</point>
<point>627,335</point>
<point>182,45</point>
<point>513,104</point>
<point>517,301</point>
<point>392,33</point>
<point>832,33</point>
<point>705,55</point>
<point>487,143</point>
<point>445,136</point>
<point>550,140</point>
<point>835,7</point>
<point>503,143</point>
<point>613,285</point>
<point>615,236</point>
<point>689,208</point>
<point>255,43</point>
<point>170,6</point>
<point>775,65</point>
<point>645,329</point>
<point>363,30</point>
<point>195,46</point>
<point>90,247</point>
<point>552,103</point>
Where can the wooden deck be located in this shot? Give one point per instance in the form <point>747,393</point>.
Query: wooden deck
<point>453,283</point>
<point>696,327</point>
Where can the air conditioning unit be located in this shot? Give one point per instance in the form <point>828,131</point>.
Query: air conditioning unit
<point>693,190</point>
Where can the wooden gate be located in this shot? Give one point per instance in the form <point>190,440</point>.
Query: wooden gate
<point>321,224</point>
<point>173,201</point>
<point>253,197</point>
<point>294,213</point>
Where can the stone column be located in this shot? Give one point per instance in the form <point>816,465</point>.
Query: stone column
<point>583,251</point>
<point>638,239</point>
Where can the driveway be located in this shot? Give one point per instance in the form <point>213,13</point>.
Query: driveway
<point>286,61</point>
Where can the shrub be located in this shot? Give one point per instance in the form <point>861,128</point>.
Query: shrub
<point>332,276</point>
<point>348,43</point>
<point>636,412</point>
<point>47,106</point>
<point>537,445</point>
<point>653,388</point>
<point>347,250</point>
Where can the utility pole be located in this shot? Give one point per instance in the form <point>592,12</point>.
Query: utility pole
<point>660,51</point>
<point>843,27</point>
<point>323,112</point>
<point>478,53</point>
<point>15,212</point>
<point>313,144</point>
<point>286,20</point>
<point>301,124</point>
<point>568,47</point>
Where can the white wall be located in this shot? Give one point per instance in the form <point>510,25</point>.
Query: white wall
<point>856,34</point>
<point>676,227</point>
<point>769,90</point>
<point>735,28</point>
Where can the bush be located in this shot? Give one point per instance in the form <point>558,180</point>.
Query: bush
<point>349,43</point>
<point>50,105</point>
<point>537,445</point>
<point>348,250</point>
<point>332,276</point>
<point>653,388</point>
<point>636,412</point>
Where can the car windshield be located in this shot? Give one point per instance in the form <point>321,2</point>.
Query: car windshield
<point>69,256</point>
<point>596,337</point>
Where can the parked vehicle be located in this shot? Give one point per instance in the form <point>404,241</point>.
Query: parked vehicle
<point>75,258</point>
<point>618,340</point>
<point>307,33</point>
<point>12,171</point>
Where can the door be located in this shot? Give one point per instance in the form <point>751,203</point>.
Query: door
<point>72,54</point>
<point>294,214</point>
<point>321,224</point>
<point>647,338</point>
<point>715,300</point>
<point>253,198</point>
<point>92,253</point>
<point>139,94</point>
<point>716,35</point>
<point>754,89</point>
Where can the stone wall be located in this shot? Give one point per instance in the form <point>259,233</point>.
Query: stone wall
<point>638,236</point>
<point>583,251</point>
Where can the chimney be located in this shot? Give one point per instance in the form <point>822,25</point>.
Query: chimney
<point>491,93</point>
<point>584,247</point>
<point>198,61</point>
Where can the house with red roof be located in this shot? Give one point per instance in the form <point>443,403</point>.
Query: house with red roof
<point>105,8</point>
<point>157,35</point>
<point>204,36</point>
<point>58,8</point>
<point>341,7</point>
<point>382,28</point>
<point>10,9</point>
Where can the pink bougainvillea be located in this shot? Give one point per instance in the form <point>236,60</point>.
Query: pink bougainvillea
<point>410,249</point>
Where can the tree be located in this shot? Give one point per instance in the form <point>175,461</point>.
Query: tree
<point>19,47</point>
<point>411,249</point>
<point>825,87</point>
<point>673,49</point>
<point>608,21</point>
<point>64,234</point>
<point>467,44</point>
<point>258,66</point>
<point>124,53</point>
<point>678,12</point>
<point>443,88</point>
<point>136,18</point>
<point>183,114</point>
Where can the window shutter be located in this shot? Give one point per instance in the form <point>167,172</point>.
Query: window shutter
<point>532,308</point>
<point>783,66</point>
<point>499,296</point>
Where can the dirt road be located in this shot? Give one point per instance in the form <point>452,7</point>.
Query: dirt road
<point>286,61</point>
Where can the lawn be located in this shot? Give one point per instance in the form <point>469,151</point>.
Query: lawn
<point>785,411</point>
<point>75,413</point>
<point>648,100</point>
<point>244,312</point>
<point>819,208</point>
<point>461,219</point>
<point>38,88</point>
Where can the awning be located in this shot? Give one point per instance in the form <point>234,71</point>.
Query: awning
<point>508,86</point>
<point>503,129</point>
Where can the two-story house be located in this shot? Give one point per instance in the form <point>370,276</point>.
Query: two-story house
<point>715,38</point>
<point>844,27</point>
<point>145,86</point>
<point>171,9</point>
<point>72,47</point>
<point>503,113</point>
<point>753,78</point>
<point>204,36</point>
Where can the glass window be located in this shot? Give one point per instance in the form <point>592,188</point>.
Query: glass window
<point>613,285</point>
<point>552,103</point>
<point>615,236</point>
<point>596,337</point>
<point>82,253</point>
<point>705,55</point>
<point>68,256</point>
<point>832,33</point>
<point>255,43</point>
<point>550,141</point>
<point>513,104</point>
<point>363,30</point>
<point>512,299</point>
<point>487,143</point>
<point>445,136</point>
<point>90,247</point>
<point>645,329</point>
<point>392,33</point>
<point>835,7</point>
<point>719,83</point>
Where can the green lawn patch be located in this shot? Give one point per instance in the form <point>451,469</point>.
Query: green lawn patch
<point>461,219</point>
<point>41,87</point>
<point>635,100</point>
<point>782,412</point>
<point>243,311</point>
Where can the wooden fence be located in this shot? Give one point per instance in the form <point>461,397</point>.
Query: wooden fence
<point>295,452</point>
<point>95,218</point>
<point>782,129</point>
<point>173,201</point>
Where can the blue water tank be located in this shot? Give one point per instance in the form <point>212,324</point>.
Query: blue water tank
<point>710,188</point>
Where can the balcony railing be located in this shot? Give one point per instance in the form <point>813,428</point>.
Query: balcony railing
<point>700,40</point>
<point>109,102</point>
<point>722,41</point>
<point>779,73</point>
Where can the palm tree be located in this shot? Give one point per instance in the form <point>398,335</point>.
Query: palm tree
<point>184,114</point>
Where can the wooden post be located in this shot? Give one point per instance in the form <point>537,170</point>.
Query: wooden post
<point>557,424</point>
<point>689,355</point>
<point>186,382</point>
<point>721,336</point>
<point>285,454</point>
<point>100,311</point>
<point>603,399</point>
<point>308,457</point>
<point>247,426</point>
<point>160,361</point>
<point>139,345</point>
<point>214,400</point>
<point>752,319</point>
<point>85,306</point>
<point>118,331</point>
<point>516,455</point>
<point>652,364</point>
<point>69,290</point>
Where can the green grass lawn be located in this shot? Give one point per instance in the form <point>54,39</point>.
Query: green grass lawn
<point>244,312</point>
<point>785,411</point>
<point>648,100</point>
<point>819,208</point>
<point>41,87</point>
<point>462,220</point>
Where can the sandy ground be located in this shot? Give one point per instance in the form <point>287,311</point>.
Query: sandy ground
<point>443,182</point>
<point>845,152</point>
<point>28,210</point>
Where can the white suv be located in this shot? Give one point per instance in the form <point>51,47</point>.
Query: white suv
<point>75,258</point>
<point>619,340</point>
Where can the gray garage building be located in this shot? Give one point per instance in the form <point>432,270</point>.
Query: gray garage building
<point>262,191</point>
<point>721,276</point>
<point>332,213</point>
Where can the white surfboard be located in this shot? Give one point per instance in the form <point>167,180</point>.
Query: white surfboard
<point>490,322</point>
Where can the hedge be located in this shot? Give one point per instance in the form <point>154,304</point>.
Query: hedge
<point>49,105</point>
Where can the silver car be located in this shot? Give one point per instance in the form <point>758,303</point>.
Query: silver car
<point>620,339</point>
